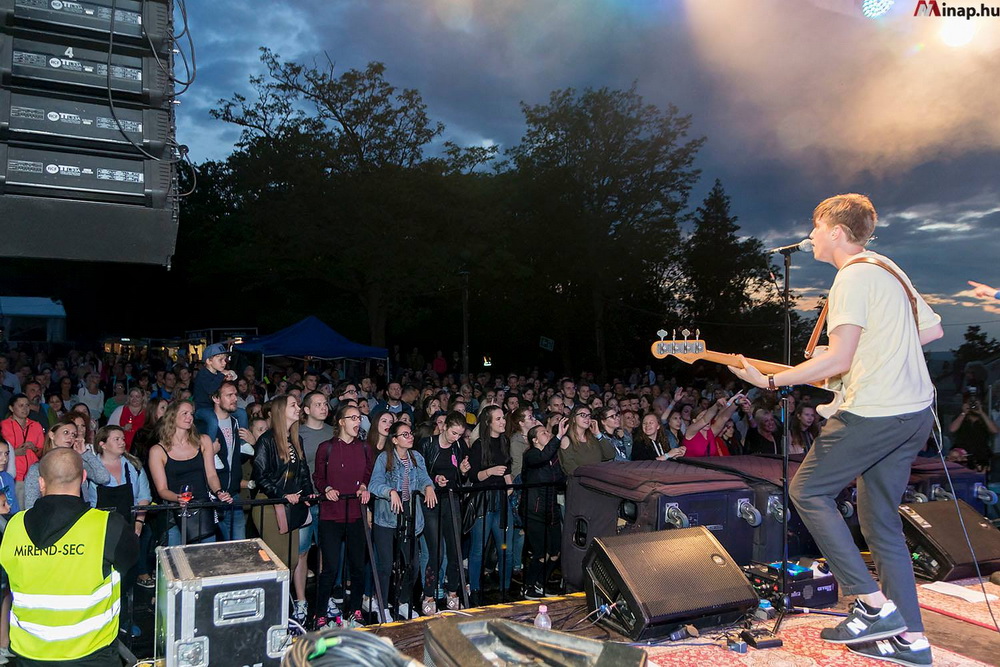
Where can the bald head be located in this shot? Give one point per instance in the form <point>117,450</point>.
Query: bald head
<point>61,472</point>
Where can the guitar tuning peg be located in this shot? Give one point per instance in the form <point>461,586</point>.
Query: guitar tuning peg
<point>697,334</point>
<point>662,334</point>
<point>673,334</point>
<point>685,333</point>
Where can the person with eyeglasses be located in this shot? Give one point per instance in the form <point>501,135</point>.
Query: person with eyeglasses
<point>609,420</point>
<point>580,446</point>
<point>399,474</point>
<point>343,467</point>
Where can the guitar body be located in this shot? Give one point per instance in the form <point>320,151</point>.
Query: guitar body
<point>690,351</point>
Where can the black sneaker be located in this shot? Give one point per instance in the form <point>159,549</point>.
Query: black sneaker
<point>893,650</point>
<point>860,626</point>
<point>534,592</point>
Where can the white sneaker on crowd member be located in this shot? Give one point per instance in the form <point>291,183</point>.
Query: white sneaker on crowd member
<point>300,612</point>
<point>332,609</point>
<point>386,616</point>
<point>453,603</point>
<point>406,611</point>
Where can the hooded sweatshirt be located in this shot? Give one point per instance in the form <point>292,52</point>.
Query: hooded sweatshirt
<point>52,517</point>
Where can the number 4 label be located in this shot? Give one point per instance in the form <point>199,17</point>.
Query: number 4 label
<point>69,53</point>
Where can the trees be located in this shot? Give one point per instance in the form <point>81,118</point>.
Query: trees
<point>341,158</point>
<point>723,286</point>
<point>604,178</point>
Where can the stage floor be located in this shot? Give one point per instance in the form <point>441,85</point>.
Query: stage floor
<point>956,642</point>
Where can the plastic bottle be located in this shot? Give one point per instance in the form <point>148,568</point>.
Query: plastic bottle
<point>542,620</point>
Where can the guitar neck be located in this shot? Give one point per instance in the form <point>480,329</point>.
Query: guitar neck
<point>766,367</point>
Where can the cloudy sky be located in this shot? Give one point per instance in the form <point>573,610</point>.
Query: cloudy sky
<point>798,99</point>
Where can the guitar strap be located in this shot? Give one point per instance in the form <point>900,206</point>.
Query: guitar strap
<point>818,329</point>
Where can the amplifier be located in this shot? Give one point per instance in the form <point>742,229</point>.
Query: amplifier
<point>69,63</point>
<point>134,19</point>
<point>937,544</point>
<point>223,604</point>
<point>79,175</point>
<point>27,117</point>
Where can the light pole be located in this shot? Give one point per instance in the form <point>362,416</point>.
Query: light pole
<point>465,322</point>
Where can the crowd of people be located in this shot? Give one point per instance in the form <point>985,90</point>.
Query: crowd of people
<point>458,476</point>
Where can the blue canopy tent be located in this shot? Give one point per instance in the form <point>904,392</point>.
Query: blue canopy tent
<point>310,338</point>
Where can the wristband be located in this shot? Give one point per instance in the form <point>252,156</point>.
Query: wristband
<point>217,492</point>
<point>143,521</point>
<point>770,382</point>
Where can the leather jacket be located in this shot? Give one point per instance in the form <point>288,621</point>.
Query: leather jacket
<point>275,477</point>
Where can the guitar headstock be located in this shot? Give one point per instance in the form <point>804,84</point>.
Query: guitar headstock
<point>687,349</point>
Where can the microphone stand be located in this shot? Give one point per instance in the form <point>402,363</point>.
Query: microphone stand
<point>785,605</point>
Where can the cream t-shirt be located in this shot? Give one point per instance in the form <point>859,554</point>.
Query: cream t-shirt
<point>888,375</point>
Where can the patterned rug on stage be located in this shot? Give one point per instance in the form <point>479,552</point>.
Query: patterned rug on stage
<point>976,613</point>
<point>802,648</point>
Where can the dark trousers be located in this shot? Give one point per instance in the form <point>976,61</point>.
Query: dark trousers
<point>331,535</point>
<point>878,452</point>
<point>544,541</point>
<point>390,550</point>
<point>438,528</point>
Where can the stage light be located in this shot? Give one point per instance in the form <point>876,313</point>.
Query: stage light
<point>957,32</point>
<point>876,8</point>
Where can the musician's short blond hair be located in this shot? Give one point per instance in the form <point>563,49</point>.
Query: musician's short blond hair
<point>854,212</point>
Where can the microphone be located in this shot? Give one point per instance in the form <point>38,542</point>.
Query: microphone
<point>805,245</point>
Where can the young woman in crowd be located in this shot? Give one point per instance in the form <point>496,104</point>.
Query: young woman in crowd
<point>542,518</point>
<point>650,442</point>
<point>702,434</point>
<point>66,392</point>
<point>729,439</point>
<point>379,433</point>
<point>490,470</point>
<point>804,428</point>
<point>281,471</point>
<point>580,445</point>
<point>343,467</point>
<point>148,434</point>
<point>63,433</point>
<point>91,423</point>
<point>609,419</point>
<point>127,486</point>
<point>131,416</point>
<point>183,460</point>
<point>117,399</point>
<point>447,465</point>
<point>398,475</point>
<point>57,408</point>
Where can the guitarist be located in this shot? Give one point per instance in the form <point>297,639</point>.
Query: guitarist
<point>877,325</point>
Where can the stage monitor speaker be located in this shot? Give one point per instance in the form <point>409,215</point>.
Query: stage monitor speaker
<point>661,581</point>
<point>935,539</point>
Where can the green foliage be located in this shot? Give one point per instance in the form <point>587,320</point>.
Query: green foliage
<point>334,204</point>
<point>977,346</point>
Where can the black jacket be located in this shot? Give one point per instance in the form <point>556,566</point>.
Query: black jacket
<point>275,477</point>
<point>431,450</point>
<point>51,517</point>
<point>541,466</point>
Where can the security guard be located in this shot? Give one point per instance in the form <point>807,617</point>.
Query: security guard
<point>64,561</point>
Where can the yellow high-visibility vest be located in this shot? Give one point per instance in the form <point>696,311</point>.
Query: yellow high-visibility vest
<point>64,607</point>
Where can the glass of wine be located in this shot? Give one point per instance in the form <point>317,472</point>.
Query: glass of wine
<point>184,497</point>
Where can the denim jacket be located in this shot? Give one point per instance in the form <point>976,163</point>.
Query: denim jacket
<point>383,482</point>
